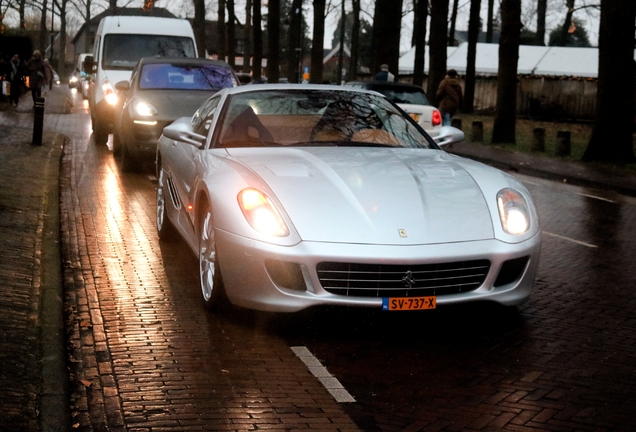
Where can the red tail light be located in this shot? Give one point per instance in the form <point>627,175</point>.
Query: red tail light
<point>437,118</point>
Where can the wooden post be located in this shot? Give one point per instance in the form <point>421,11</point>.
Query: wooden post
<point>456,122</point>
<point>478,131</point>
<point>563,143</point>
<point>538,140</point>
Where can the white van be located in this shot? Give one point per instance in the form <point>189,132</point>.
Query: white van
<point>120,42</point>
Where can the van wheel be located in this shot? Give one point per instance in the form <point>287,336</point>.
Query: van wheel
<point>116,144</point>
<point>100,132</point>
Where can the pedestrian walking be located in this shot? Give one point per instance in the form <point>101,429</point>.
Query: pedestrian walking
<point>450,97</point>
<point>15,80</point>
<point>36,71</point>
<point>49,73</point>
<point>384,74</point>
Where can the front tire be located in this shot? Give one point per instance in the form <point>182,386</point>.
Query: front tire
<point>211,282</point>
<point>165,229</point>
<point>100,131</point>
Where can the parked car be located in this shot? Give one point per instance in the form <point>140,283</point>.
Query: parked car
<point>294,196</point>
<point>410,98</point>
<point>160,91</point>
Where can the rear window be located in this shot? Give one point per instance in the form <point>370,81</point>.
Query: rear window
<point>404,95</point>
<point>123,51</point>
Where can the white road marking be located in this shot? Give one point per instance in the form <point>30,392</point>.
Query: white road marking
<point>330,382</point>
<point>598,198</point>
<point>570,240</point>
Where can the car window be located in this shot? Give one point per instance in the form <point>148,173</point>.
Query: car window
<point>315,117</point>
<point>186,77</point>
<point>123,51</point>
<point>202,119</point>
<point>404,95</point>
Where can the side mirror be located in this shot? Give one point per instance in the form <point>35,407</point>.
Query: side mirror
<point>122,86</point>
<point>448,135</point>
<point>181,130</point>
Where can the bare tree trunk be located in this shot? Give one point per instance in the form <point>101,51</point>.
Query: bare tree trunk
<point>258,40</point>
<point>222,31</point>
<point>316,76</point>
<point>198,26</point>
<point>295,41</point>
<point>355,40</point>
<point>43,32</point>
<point>473,34</point>
<point>231,35</point>
<point>437,40</point>
<point>565,28</point>
<point>421,14</point>
<point>87,19</point>
<point>490,21</point>
<point>273,40</point>
<point>247,36</point>
<point>61,64</point>
<point>611,139</point>
<point>506,111</point>
<point>22,15</point>
<point>542,7</point>
<point>386,34</point>
<point>343,25</point>
<point>453,20</point>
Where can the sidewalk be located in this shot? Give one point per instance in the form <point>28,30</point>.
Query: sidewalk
<point>33,373</point>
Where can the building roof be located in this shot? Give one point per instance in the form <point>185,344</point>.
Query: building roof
<point>533,60</point>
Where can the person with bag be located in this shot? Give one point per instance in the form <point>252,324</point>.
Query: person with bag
<point>36,71</point>
<point>15,80</point>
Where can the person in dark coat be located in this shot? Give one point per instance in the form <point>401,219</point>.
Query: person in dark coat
<point>36,71</point>
<point>384,74</point>
<point>15,79</point>
<point>450,97</point>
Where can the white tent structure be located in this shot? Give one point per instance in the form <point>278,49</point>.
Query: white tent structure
<point>533,60</point>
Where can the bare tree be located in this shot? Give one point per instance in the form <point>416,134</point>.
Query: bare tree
<point>355,39</point>
<point>490,21</point>
<point>247,36</point>
<point>437,39</point>
<point>474,25</point>
<point>453,20</point>
<point>504,127</point>
<point>222,31</point>
<point>419,40</point>
<point>198,26</point>
<point>258,40</point>
<point>611,139</point>
<point>542,7</point>
<point>295,40</point>
<point>386,34</point>
<point>273,40</point>
<point>231,35</point>
<point>318,42</point>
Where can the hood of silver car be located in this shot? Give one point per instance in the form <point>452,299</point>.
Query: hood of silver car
<point>373,196</point>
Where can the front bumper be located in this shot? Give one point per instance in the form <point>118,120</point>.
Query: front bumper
<point>142,137</point>
<point>249,284</point>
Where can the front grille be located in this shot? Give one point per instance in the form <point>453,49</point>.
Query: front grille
<point>381,280</point>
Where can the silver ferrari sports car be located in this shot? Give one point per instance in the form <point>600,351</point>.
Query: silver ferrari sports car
<point>294,196</point>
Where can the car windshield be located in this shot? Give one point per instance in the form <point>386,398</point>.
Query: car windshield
<point>186,77</point>
<point>403,95</point>
<point>316,118</point>
<point>123,51</point>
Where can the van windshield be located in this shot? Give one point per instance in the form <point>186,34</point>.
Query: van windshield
<point>122,51</point>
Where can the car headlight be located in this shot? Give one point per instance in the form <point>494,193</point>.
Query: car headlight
<point>144,109</point>
<point>261,213</point>
<point>109,92</point>
<point>73,79</point>
<point>513,211</point>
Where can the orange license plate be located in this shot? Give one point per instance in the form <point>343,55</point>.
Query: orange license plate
<point>408,303</point>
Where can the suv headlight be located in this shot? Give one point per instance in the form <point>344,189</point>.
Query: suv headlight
<point>513,211</point>
<point>144,109</point>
